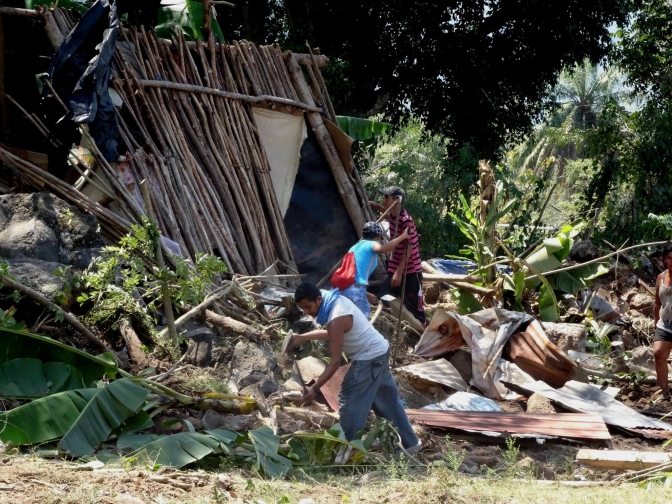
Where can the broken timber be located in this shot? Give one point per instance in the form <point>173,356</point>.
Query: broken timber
<point>622,459</point>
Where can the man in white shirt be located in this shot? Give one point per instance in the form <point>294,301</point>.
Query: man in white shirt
<point>368,384</point>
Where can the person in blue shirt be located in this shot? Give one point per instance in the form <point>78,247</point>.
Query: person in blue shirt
<point>366,253</point>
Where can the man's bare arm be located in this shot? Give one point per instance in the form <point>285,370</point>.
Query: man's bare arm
<point>657,303</point>
<point>389,246</point>
<point>336,330</point>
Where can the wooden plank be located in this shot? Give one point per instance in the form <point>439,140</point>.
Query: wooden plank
<point>622,459</point>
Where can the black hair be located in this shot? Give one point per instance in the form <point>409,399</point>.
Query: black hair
<point>667,249</point>
<point>306,291</point>
<point>370,235</point>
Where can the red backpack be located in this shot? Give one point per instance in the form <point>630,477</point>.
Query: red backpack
<point>344,276</point>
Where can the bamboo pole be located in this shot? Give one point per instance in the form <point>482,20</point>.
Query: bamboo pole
<point>344,185</point>
<point>167,303</point>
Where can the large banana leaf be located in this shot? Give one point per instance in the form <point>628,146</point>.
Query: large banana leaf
<point>17,344</point>
<point>107,410</point>
<point>29,378</point>
<point>266,445</point>
<point>328,447</point>
<point>361,129</point>
<point>44,419</point>
<point>186,15</point>
<point>196,19</point>
<point>178,450</point>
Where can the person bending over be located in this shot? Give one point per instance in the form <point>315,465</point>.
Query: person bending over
<point>366,253</point>
<point>368,383</point>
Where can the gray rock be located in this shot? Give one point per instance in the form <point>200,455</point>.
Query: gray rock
<point>566,336</point>
<point>641,303</point>
<point>207,350</point>
<point>257,364</point>
<point>642,359</point>
<point>462,362</point>
<point>39,233</point>
<point>584,251</point>
<point>539,404</point>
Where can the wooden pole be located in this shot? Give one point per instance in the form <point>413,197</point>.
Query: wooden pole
<point>401,305</point>
<point>345,187</point>
<point>206,29</point>
<point>262,98</point>
<point>3,98</point>
<point>167,304</point>
<point>15,11</point>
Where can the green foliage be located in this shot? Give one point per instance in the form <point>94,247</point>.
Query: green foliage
<point>30,378</point>
<point>115,280</point>
<point>186,15</point>
<point>20,344</point>
<point>433,181</point>
<point>81,6</point>
<point>107,409</point>
<point>476,73</point>
<point>657,227</point>
<point>266,445</point>
<point>362,129</point>
<point>511,454</point>
<point>179,450</point>
<point>44,419</point>
<point>453,458</point>
<point>193,281</point>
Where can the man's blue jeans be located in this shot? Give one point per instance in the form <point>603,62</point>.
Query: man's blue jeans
<point>369,384</point>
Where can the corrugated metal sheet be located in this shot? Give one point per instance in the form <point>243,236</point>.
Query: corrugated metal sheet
<point>532,352</point>
<point>569,425</point>
<point>438,371</point>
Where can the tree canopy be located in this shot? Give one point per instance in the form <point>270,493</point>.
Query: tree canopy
<point>475,72</point>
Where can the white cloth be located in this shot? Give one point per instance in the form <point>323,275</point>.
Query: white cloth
<point>282,136</point>
<point>362,342</point>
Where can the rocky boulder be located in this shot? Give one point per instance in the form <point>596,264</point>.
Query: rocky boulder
<point>566,336</point>
<point>39,233</point>
<point>641,303</point>
<point>583,251</point>
<point>257,364</point>
<point>537,403</point>
<point>207,350</point>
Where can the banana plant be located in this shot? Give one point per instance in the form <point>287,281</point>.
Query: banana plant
<point>68,402</point>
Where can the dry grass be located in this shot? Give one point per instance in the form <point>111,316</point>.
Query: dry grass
<point>394,484</point>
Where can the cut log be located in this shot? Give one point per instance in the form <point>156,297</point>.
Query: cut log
<point>134,345</point>
<point>622,459</point>
<point>451,278</point>
<point>321,419</point>
<point>232,325</point>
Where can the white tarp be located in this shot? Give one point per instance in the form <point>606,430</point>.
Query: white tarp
<point>282,136</point>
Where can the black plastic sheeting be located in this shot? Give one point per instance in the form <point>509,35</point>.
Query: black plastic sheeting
<point>80,74</point>
<point>318,225</point>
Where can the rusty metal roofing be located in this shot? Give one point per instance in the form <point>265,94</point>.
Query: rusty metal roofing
<point>569,425</point>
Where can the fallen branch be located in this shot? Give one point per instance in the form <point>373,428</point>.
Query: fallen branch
<point>232,325</point>
<point>214,296</point>
<point>191,88</point>
<point>133,344</point>
<point>311,417</point>
<point>474,289</point>
<point>450,278</point>
<point>580,265</point>
<point>68,317</point>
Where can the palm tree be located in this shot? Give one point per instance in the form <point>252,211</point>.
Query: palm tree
<point>580,96</point>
